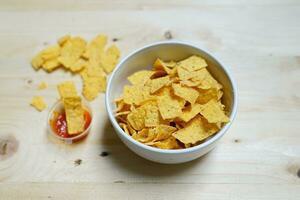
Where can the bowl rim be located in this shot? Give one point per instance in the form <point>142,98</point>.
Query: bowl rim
<point>211,140</point>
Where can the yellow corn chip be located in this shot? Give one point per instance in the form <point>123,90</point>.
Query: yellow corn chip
<point>152,117</point>
<point>92,86</point>
<point>170,143</point>
<point>95,48</point>
<point>37,61</point>
<point>188,94</point>
<point>50,52</point>
<point>110,58</point>
<point>74,114</point>
<point>190,112</point>
<point>140,77</point>
<point>71,51</point>
<point>158,83</point>
<point>190,83</point>
<point>50,65</point>
<point>61,41</point>
<point>192,133</point>
<point>184,74</point>
<point>125,128</point>
<point>94,82</point>
<point>78,65</point>
<point>136,94</point>
<point>137,118</point>
<point>168,67</point>
<point>67,89</point>
<point>193,63</point>
<point>205,79</point>
<point>207,95</point>
<point>169,106</point>
<point>145,135</point>
<point>47,58</point>
<point>39,103</point>
<point>42,85</point>
<point>157,74</point>
<point>213,112</point>
<point>163,132</point>
<point>131,130</point>
<point>122,113</point>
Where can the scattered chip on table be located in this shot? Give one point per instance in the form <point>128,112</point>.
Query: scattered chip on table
<point>43,85</point>
<point>39,103</point>
<point>92,61</point>
<point>67,89</point>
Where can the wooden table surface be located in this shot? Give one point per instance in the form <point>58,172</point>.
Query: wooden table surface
<point>259,157</point>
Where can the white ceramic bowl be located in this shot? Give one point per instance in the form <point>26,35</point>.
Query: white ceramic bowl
<point>143,58</point>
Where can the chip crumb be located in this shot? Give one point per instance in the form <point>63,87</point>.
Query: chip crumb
<point>43,85</point>
<point>39,103</point>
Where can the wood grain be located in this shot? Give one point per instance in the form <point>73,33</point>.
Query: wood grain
<point>258,158</point>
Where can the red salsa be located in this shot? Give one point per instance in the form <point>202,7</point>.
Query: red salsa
<point>60,127</point>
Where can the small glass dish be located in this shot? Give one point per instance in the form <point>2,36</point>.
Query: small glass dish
<point>58,107</point>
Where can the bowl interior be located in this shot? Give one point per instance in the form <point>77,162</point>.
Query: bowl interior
<point>144,59</point>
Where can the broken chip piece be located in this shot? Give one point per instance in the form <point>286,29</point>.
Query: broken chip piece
<point>39,103</point>
<point>91,60</point>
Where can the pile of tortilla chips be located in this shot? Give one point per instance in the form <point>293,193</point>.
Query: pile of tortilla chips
<point>73,107</point>
<point>91,60</point>
<point>175,105</point>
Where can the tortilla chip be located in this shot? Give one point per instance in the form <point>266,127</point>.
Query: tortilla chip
<point>163,132</point>
<point>207,95</point>
<point>67,89</point>
<point>37,61</point>
<point>170,106</point>
<point>212,111</point>
<point>110,58</point>
<point>50,52</point>
<point>50,65</point>
<point>158,83</point>
<point>140,77</point>
<point>39,103</point>
<point>136,94</point>
<point>206,80</point>
<point>74,114</point>
<point>170,143</point>
<point>192,133</point>
<point>137,118</point>
<point>193,63</point>
<point>188,94</point>
<point>71,51</point>
<point>168,67</point>
<point>152,117</point>
<point>190,112</point>
<point>95,48</point>
<point>61,41</point>
<point>145,135</point>
<point>43,85</point>
<point>124,127</point>
<point>92,86</point>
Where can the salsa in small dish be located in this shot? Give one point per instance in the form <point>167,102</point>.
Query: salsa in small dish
<point>58,126</point>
